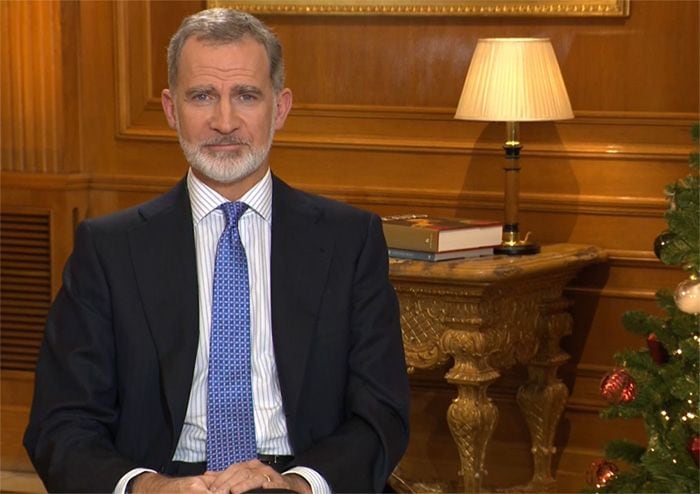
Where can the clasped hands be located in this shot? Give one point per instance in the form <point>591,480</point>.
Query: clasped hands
<point>236,479</point>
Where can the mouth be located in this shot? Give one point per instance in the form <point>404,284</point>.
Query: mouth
<point>226,146</point>
<point>223,148</point>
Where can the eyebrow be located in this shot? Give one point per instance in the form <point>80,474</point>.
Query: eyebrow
<point>246,88</point>
<point>237,89</point>
<point>199,89</point>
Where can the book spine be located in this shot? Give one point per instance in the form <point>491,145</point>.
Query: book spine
<point>411,238</point>
<point>412,255</point>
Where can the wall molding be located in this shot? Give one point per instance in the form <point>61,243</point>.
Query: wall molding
<point>45,181</point>
<point>433,130</point>
<point>652,208</point>
<point>645,207</point>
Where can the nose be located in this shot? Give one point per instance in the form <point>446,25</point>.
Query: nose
<point>225,118</point>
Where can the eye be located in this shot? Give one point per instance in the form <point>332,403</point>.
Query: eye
<point>248,97</point>
<point>200,97</point>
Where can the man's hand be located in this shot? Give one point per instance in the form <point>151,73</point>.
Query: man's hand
<point>254,474</point>
<point>152,482</point>
<point>236,479</point>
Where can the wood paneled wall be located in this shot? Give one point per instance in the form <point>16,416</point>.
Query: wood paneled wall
<point>83,135</point>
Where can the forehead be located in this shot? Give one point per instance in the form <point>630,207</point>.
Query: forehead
<point>201,59</point>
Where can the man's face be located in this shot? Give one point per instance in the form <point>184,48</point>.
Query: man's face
<point>224,109</point>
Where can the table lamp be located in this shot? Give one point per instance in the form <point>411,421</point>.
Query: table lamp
<point>513,80</point>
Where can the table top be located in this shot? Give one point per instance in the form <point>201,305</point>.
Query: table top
<point>489,269</point>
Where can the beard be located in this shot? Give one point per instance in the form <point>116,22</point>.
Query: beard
<point>226,166</point>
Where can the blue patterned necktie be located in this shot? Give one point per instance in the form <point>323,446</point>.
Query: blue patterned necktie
<point>230,422</point>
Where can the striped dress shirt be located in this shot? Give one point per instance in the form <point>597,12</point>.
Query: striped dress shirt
<point>255,230</point>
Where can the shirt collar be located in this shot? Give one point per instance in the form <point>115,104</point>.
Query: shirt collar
<point>204,199</point>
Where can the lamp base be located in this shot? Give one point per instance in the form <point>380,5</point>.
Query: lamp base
<point>512,245</point>
<point>519,248</point>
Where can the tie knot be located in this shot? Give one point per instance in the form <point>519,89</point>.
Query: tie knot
<point>233,211</point>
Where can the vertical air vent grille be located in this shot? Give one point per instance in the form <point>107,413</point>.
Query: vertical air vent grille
<point>25,284</point>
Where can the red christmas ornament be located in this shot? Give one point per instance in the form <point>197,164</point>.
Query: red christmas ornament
<point>658,352</point>
<point>600,472</point>
<point>618,387</point>
<point>694,449</point>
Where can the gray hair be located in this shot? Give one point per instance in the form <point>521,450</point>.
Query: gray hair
<point>223,26</point>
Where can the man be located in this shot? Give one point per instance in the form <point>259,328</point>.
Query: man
<point>126,389</point>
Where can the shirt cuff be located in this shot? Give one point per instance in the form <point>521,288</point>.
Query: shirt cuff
<point>316,481</point>
<point>121,485</point>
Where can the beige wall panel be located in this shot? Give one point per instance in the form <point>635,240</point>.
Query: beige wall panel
<point>31,105</point>
<point>40,131</point>
<point>589,433</point>
<point>105,201</point>
<point>422,61</point>
<point>595,346</point>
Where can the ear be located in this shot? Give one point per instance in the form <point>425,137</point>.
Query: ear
<point>166,99</point>
<point>284,104</point>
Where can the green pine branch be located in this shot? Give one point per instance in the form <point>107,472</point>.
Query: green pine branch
<point>666,391</point>
<point>683,217</point>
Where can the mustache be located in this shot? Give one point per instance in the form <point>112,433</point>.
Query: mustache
<point>225,140</point>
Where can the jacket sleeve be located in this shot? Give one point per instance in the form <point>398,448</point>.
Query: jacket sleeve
<point>75,408</point>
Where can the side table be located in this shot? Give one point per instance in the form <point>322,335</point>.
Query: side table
<point>487,314</point>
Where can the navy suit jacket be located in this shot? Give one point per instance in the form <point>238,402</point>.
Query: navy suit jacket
<point>116,365</point>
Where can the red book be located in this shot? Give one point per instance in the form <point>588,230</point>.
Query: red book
<point>432,234</point>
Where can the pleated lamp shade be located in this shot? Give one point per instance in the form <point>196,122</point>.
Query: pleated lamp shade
<point>514,80</point>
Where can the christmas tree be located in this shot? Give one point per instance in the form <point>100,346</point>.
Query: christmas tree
<point>660,383</point>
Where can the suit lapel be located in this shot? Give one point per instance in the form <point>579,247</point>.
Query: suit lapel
<point>163,253</point>
<point>301,254</point>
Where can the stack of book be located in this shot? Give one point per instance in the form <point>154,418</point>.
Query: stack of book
<point>429,238</point>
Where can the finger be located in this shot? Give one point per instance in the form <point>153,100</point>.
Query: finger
<point>254,464</point>
<point>195,485</point>
<point>239,480</point>
<point>233,474</point>
<point>267,472</point>
<point>209,478</point>
<point>264,477</point>
<point>241,484</point>
<point>242,476</point>
<point>272,478</point>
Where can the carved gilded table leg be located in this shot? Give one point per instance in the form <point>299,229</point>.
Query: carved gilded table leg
<point>543,398</point>
<point>471,416</point>
<point>489,314</point>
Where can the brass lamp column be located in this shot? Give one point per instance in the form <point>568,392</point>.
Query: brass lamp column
<point>513,80</point>
<point>511,243</point>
